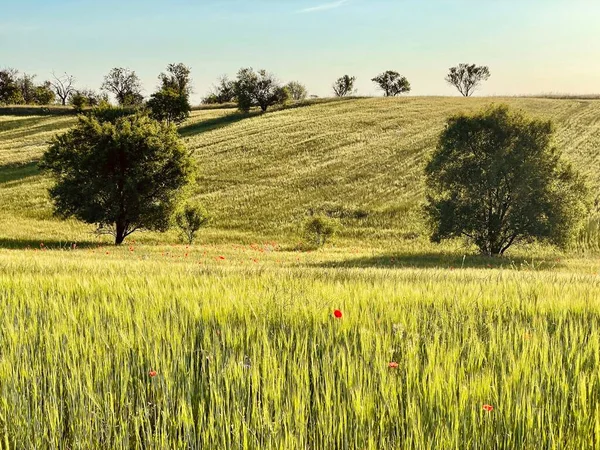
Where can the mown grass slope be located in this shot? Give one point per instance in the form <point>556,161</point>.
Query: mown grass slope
<point>360,159</point>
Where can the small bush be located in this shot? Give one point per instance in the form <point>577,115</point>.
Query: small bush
<point>189,220</point>
<point>319,230</point>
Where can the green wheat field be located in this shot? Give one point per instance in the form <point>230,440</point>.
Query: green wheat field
<point>232,343</point>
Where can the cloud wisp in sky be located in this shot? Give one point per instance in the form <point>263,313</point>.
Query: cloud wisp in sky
<point>323,7</point>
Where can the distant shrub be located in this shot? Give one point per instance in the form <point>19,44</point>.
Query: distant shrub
<point>296,90</point>
<point>190,219</point>
<point>78,101</point>
<point>318,230</point>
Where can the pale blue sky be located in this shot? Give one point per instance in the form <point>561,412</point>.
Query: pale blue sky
<point>531,46</point>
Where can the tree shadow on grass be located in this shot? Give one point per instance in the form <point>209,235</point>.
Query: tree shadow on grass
<point>213,124</point>
<point>442,261</point>
<point>17,172</point>
<point>53,244</point>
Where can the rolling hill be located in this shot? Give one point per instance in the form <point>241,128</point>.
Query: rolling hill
<point>357,159</point>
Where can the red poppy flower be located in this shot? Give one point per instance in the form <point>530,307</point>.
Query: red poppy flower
<point>393,365</point>
<point>338,314</point>
<point>152,373</point>
<point>488,408</point>
<point>221,257</point>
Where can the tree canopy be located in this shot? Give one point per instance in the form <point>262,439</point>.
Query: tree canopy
<point>123,175</point>
<point>171,103</point>
<point>496,179</point>
<point>467,77</point>
<point>344,86</point>
<point>258,89</point>
<point>392,83</point>
<point>125,85</point>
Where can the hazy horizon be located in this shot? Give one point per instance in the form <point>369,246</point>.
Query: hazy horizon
<point>531,46</point>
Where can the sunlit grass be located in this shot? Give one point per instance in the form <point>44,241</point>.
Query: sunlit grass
<point>249,355</point>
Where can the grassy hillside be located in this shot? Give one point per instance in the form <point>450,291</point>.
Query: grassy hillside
<point>358,159</point>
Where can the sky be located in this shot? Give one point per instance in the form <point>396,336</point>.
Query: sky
<point>530,46</point>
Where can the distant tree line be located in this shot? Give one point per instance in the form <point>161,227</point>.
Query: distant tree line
<point>250,89</point>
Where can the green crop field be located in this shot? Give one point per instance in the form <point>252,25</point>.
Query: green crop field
<point>232,342</point>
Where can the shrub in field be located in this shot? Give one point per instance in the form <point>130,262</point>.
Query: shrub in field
<point>123,175</point>
<point>496,178</point>
<point>81,99</point>
<point>258,89</point>
<point>319,230</point>
<point>78,101</point>
<point>344,86</point>
<point>190,219</point>
<point>392,83</point>
<point>467,77</point>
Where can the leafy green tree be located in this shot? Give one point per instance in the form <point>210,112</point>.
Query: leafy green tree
<point>171,103</point>
<point>86,98</point>
<point>27,87</point>
<point>467,77</point>
<point>190,219</point>
<point>168,105</point>
<point>258,89</point>
<point>43,94</point>
<point>496,179</point>
<point>297,90</point>
<point>177,77</point>
<point>344,86</point>
<point>10,93</point>
<point>125,85</point>
<point>392,83</point>
<point>123,175</point>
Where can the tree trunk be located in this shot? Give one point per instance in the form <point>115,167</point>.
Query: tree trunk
<point>120,233</point>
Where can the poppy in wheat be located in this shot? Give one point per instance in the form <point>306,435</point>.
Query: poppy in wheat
<point>338,314</point>
<point>152,373</point>
<point>488,408</point>
<point>221,257</point>
<point>393,365</point>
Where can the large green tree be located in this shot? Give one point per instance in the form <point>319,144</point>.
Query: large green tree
<point>497,179</point>
<point>122,175</point>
